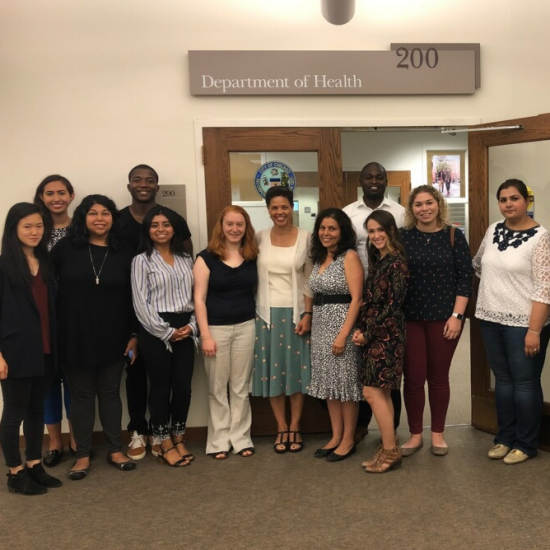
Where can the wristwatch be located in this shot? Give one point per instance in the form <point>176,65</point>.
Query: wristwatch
<point>459,316</point>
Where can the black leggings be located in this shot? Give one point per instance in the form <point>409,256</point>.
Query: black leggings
<point>24,400</point>
<point>170,375</point>
<point>86,383</point>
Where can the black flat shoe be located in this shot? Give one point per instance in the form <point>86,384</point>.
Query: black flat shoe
<point>323,453</point>
<point>122,466</point>
<point>334,457</point>
<point>52,458</point>
<point>39,475</point>
<point>24,484</point>
<point>77,475</point>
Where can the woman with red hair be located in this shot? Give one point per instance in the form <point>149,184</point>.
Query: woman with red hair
<point>225,282</point>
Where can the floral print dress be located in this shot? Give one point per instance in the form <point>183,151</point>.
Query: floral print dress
<point>383,323</point>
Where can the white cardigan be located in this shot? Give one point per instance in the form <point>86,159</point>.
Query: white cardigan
<point>300,276</point>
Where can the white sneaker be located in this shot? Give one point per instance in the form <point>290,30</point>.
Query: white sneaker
<point>155,445</point>
<point>137,447</point>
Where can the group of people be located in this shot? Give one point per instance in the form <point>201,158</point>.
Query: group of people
<point>375,294</point>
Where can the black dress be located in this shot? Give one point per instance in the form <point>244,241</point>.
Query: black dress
<point>383,323</point>
<point>95,321</point>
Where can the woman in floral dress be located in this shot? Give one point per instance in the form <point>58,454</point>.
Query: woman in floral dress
<point>382,332</point>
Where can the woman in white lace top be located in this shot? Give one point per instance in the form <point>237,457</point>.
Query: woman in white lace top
<point>513,305</point>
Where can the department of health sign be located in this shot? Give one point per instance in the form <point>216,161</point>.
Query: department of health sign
<point>272,174</point>
<point>407,69</point>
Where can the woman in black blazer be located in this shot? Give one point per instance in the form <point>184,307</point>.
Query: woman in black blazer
<point>27,346</point>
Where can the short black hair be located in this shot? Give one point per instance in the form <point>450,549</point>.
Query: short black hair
<point>143,167</point>
<point>279,191</point>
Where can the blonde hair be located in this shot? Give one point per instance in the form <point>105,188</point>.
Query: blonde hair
<point>442,214</point>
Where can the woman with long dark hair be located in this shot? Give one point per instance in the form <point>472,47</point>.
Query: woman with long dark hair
<point>54,195</point>
<point>162,286</point>
<point>27,346</point>
<point>337,280</point>
<point>225,282</point>
<point>97,325</point>
<point>382,332</point>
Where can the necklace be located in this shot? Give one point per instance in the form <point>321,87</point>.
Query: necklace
<point>93,266</point>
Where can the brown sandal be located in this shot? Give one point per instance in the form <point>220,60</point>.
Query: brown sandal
<point>387,460</point>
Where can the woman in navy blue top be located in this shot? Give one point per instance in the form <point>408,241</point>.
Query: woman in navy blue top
<point>225,284</point>
<point>440,284</point>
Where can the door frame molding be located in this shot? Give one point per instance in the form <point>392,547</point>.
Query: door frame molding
<point>536,128</point>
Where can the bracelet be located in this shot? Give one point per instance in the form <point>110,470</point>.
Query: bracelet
<point>308,312</point>
<point>533,331</point>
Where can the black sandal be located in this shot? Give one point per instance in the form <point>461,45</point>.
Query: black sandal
<point>299,445</point>
<point>249,450</point>
<point>178,464</point>
<point>281,443</point>
<point>190,457</point>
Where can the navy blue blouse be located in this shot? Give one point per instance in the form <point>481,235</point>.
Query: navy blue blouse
<point>438,273</point>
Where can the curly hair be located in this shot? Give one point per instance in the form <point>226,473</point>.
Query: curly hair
<point>14,261</point>
<point>248,248</point>
<point>78,231</point>
<point>443,211</point>
<point>387,222</point>
<point>176,221</point>
<point>348,238</point>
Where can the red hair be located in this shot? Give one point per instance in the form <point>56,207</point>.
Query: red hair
<point>248,248</point>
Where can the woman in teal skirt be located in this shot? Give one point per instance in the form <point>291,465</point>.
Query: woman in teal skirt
<point>284,306</point>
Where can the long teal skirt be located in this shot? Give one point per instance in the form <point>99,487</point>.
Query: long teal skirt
<point>281,358</point>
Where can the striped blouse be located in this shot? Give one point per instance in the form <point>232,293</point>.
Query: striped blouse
<point>159,287</point>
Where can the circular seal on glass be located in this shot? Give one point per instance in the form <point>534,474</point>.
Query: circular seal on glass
<point>272,174</point>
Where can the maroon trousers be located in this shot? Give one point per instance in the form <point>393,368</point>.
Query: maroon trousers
<point>428,357</point>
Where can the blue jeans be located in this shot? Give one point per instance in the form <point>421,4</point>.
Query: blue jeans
<point>518,391</point>
<point>53,408</point>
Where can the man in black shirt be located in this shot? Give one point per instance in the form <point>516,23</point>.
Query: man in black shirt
<point>143,185</point>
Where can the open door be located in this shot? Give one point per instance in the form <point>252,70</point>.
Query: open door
<point>495,156</point>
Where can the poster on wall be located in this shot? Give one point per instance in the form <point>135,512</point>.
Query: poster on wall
<point>446,172</point>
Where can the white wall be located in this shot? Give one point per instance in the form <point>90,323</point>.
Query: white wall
<point>89,89</point>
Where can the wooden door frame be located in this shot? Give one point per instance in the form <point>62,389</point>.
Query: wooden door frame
<point>535,128</point>
<point>219,142</point>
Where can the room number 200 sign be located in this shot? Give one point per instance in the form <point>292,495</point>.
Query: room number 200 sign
<point>416,58</point>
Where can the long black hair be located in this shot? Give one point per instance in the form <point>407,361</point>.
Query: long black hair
<point>78,231</point>
<point>38,200</point>
<point>348,237</point>
<point>176,221</point>
<point>387,223</point>
<point>14,262</point>
<point>516,184</point>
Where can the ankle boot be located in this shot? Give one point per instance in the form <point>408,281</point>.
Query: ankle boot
<point>41,477</point>
<point>387,460</point>
<point>23,483</point>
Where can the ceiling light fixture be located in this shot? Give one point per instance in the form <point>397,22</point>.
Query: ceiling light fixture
<point>338,12</point>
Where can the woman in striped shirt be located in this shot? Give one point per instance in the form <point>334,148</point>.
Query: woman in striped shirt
<point>162,288</point>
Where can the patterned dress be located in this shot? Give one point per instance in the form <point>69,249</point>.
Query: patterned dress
<point>332,377</point>
<point>383,323</point>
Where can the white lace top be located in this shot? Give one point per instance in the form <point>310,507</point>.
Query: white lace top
<point>514,267</point>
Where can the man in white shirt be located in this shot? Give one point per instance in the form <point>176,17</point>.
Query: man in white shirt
<point>374,181</point>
